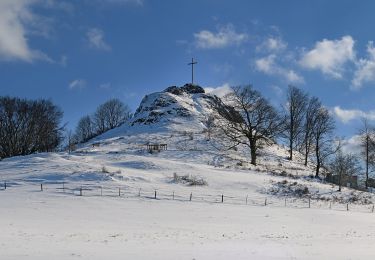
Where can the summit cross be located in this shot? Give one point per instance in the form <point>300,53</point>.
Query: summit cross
<point>192,63</point>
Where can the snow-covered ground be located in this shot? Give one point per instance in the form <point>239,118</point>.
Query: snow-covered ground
<point>59,224</point>
<point>43,225</point>
<point>270,211</point>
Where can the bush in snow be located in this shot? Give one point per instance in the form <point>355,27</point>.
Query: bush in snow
<point>286,188</point>
<point>105,170</point>
<point>284,174</point>
<point>189,180</point>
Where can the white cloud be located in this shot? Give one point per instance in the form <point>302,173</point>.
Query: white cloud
<point>226,36</point>
<point>365,71</point>
<point>14,16</point>
<point>272,44</point>
<point>292,76</point>
<point>277,90</point>
<point>330,56</point>
<point>346,115</point>
<point>63,61</point>
<point>352,145</point>
<point>220,91</point>
<point>77,84</point>
<point>95,37</point>
<point>59,5</point>
<point>269,66</point>
<point>106,85</point>
<point>223,68</point>
<point>266,64</point>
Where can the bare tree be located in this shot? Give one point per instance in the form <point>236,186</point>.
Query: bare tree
<point>28,126</point>
<point>248,119</point>
<point>117,113</point>
<point>209,123</point>
<point>310,120</point>
<point>85,129</point>
<point>99,120</point>
<point>295,111</point>
<point>367,139</point>
<point>344,165</point>
<point>71,141</point>
<point>111,114</point>
<point>323,131</point>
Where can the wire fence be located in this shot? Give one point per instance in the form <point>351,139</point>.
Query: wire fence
<point>122,191</point>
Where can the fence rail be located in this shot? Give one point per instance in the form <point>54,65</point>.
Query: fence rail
<point>124,191</point>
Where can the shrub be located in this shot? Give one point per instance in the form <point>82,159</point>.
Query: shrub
<point>189,180</point>
<point>105,170</point>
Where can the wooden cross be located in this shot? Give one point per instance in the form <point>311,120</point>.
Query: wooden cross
<point>192,63</point>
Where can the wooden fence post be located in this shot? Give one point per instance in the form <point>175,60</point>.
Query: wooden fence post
<point>372,210</point>
<point>246,198</point>
<point>173,195</point>
<point>80,191</point>
<point>191,196</point>
<point>309,202</point>
<point>41,187</point>
<point>155,195</point>
<point>5,185</point>
<point>347,206</point>
<point>222,198</point>
<point>265,202</point>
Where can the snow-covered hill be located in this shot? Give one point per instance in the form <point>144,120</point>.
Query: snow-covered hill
<point>185,108</point>
<point>176,117</point>
<point>118,162</point>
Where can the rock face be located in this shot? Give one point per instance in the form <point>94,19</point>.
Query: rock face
<point>187,88</point>
<point>188,103</point>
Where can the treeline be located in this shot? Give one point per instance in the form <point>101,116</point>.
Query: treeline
<point>308,127</point>
<point>366,135</point>
<point>28,126</point>
<point>107,116</point>
<point>303,123</point>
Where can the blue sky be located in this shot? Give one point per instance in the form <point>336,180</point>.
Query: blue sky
<point>81,53</point>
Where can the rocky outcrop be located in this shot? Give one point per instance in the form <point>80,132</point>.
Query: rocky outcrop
<point>186,89</point>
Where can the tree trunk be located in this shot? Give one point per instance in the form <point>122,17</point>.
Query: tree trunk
<point>291,136</point>
<point>317,169</point>
<point>306,154</point>
<point>291,147</point>
<point>253,152</point>
<point>307,143</point>
<point>367,160</point>
<point>318,162</point>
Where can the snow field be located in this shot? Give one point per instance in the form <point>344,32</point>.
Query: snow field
<point>37,225</point>
<point>54,224</point>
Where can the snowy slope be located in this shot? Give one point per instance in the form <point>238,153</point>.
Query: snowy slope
<point>59,224</point>
<point>121,158</point>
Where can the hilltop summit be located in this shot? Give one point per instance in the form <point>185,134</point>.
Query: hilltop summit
<point>186,104</point>
<point>187,88</point>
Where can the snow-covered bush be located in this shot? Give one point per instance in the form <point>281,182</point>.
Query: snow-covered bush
<point>287,188</point>
<point>105,170</point>
<point>189,180</point>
